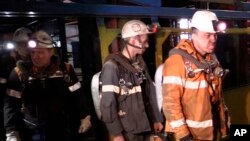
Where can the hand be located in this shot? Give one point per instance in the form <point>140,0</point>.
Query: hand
<point>158,127</point>
<point>85,124</point>
<point>13,136</point>
<point>119,138</point>
<point>225,138</point>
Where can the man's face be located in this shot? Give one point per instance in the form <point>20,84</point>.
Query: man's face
<point>22,49</point>
<point>41,57</point>
<point>204,42</point>
<point>141,41</point>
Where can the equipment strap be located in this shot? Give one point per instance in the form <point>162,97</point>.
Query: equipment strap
<point>125,62</point>
<point>189,57</point>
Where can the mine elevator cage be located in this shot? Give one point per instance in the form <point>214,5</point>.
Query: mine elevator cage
<point>90,21</point>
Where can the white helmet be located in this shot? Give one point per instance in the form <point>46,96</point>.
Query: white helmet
<point>134,28</point>
<point>21,34</point>
<point>204,21</point>
<point>21,37</point>
<point>41,39</point>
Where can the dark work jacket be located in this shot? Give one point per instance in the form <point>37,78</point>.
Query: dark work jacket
<point>7,63</point>
<point>51,101</point>
<point>132,108</point>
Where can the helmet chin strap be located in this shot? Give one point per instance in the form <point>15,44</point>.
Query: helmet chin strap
<point>138,47</point>
<point>135,46</point>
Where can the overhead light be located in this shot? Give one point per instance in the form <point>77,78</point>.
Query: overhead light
<point>184,23</point>
<point>6,13</point>
<point>58,43</point>
<point>31,13</point>
<point>9,46</point>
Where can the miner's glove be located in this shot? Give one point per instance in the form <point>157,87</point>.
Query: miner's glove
<point>85,124</point>
<point>13,136</point>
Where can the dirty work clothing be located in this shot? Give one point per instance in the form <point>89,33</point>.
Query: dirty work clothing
<point>192,106</point>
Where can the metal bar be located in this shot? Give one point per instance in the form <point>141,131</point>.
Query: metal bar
<point>244,6</point>
<point>216,1</point>
<point>146,2</point>
<point>104,10</point>
<point>181,31</point>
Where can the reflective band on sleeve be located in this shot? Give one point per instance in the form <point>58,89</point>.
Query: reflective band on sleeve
<point>116,89</point>
<point>14,93</point>
<point>110,88</point>
<point>177,123</point>
<point>187,84</point>
<point>75,87</point>
<point>3,80</point>
<point>172,80</point>
<point>202,124</point>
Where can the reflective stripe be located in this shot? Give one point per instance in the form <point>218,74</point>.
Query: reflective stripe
<point>14,93</point>
<point>202,124</point>
<point>191,123</point>
<point>116,89</point>
<point>134,90</point>
<point>214,86</point>
<point>55,76</point>
<point>177,123</point>
<point>75,87</point>
<point>196,84</point>
<point>172,80</point>
<point>110,88</point>
<point>3,80</point>
<point>187,84</point>
<point>52,76</point>
<point>31,78</point>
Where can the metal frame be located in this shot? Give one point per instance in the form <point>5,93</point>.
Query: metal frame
<point>39,9</point>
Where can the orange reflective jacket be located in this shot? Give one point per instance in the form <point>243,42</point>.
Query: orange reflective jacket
<point>192,106</point>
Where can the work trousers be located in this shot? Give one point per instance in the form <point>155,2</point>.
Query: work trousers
<point>137,137</point>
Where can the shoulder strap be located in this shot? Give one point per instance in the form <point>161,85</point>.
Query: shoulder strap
<point>189,57</point>
<point>121,60</point>
<point>125,63</point>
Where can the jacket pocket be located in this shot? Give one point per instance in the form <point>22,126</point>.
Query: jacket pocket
<point>127,123</point>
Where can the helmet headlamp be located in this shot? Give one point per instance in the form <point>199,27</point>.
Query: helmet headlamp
<point>152,28</point>
<point>40,39</point>
<point>219,26</point>
<point>32,44</point>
